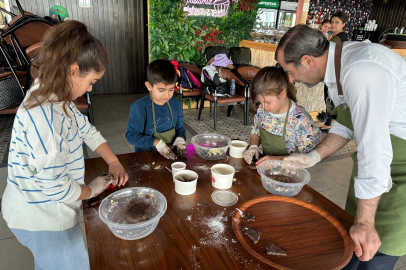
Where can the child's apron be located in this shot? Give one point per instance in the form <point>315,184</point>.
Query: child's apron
<point>390,218</point>
<point>166,136</point>
<point>274,145</point>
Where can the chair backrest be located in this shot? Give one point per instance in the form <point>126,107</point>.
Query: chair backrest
<point>28,32</point>
<point>211,51</point>
<point>192,68</point>
<point>240,55</point>
<point>81,103</point>
<point>33,50</point>
<point>228,75</point>
<point>248,72</point>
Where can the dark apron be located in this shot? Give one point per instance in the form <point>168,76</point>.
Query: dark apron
<point>390,218</point>
<point>274,145</point>
<point>167,136</point>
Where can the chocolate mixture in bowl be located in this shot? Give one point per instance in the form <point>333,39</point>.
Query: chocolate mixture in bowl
<point>284,178</point>
<point>137,212</point>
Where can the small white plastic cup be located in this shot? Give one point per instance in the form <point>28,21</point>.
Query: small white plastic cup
<point>185,188</point>
<point>177,166</point>
<point>237,148</point>
<point>222,176</point>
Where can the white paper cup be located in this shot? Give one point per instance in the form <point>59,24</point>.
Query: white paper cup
<point>237,148</point>
<point>177,166</point>
<point>185,188</point>
<point>222,176</point>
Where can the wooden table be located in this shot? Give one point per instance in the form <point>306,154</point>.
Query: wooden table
<point>194,233</point>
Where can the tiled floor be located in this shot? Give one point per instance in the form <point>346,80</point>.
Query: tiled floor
<point>330,177</point>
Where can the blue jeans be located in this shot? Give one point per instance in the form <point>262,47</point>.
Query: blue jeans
<point>379,262</point>
<point>62,250</point>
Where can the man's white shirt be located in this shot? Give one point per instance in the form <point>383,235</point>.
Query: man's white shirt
<point>373,79</point>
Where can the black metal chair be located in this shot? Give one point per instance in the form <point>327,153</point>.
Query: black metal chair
<point>241,56</point>
<point>217,101</point>
<point>24,30</point>
<point>248,73</point>
<point>12,84</point>
<point>212,51</point>
<point>20,80</point>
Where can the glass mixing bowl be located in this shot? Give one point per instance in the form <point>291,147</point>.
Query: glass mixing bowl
<point>113,207</point>
<point>211,146</point>
<point>273,169</point>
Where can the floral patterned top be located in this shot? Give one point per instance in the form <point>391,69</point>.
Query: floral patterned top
<point>301,132</point>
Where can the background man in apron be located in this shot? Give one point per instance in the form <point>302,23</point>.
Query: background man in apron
<point>367,95</point>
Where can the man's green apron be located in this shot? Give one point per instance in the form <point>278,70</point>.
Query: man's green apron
<point>390,218</point>
<point>274,145</point>
<point>168,135</point>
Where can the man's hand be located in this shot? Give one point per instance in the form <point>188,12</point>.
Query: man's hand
<point>117,171</point>
<point>366,241</point>
<point>99,184</point>
<point>304,160</point>
<point>250,153</point>
<point>269,158</point>
<point>180,147</point>
<point>164,150</point>
<point>363,233</point>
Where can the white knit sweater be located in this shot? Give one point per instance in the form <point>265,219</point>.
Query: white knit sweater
<point>46,167</point>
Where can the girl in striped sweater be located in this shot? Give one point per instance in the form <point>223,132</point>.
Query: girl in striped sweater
<point>45,183</point>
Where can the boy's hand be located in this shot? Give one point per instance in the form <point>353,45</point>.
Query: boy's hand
<point>164,150</point>
<point>180,147</point>
<point>99,184</point>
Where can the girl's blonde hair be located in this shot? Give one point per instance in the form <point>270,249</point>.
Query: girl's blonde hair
<point>271,81</point>
<point>63,45</point>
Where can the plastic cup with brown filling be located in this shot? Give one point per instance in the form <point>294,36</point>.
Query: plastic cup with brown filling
<point>185,182</point>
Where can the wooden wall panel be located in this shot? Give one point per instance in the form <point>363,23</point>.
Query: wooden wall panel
<point>390,14</point>
<point>120,26</point>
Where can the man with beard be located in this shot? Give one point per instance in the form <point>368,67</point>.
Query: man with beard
<point>367,95</point>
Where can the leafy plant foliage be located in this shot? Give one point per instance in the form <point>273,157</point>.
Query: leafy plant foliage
<point>174,35</point>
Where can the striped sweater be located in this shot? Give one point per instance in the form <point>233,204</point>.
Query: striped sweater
<point>46,167</point>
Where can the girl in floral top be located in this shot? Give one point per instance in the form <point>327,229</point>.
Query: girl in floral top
<point>280,126</point>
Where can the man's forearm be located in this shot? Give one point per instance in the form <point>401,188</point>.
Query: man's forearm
<point>331,144</point>
<point>366,209</point>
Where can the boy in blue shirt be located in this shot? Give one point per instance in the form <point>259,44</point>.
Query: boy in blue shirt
<point>157,119</point>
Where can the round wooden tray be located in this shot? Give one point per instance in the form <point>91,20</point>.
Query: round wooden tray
<point>310,236</point>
